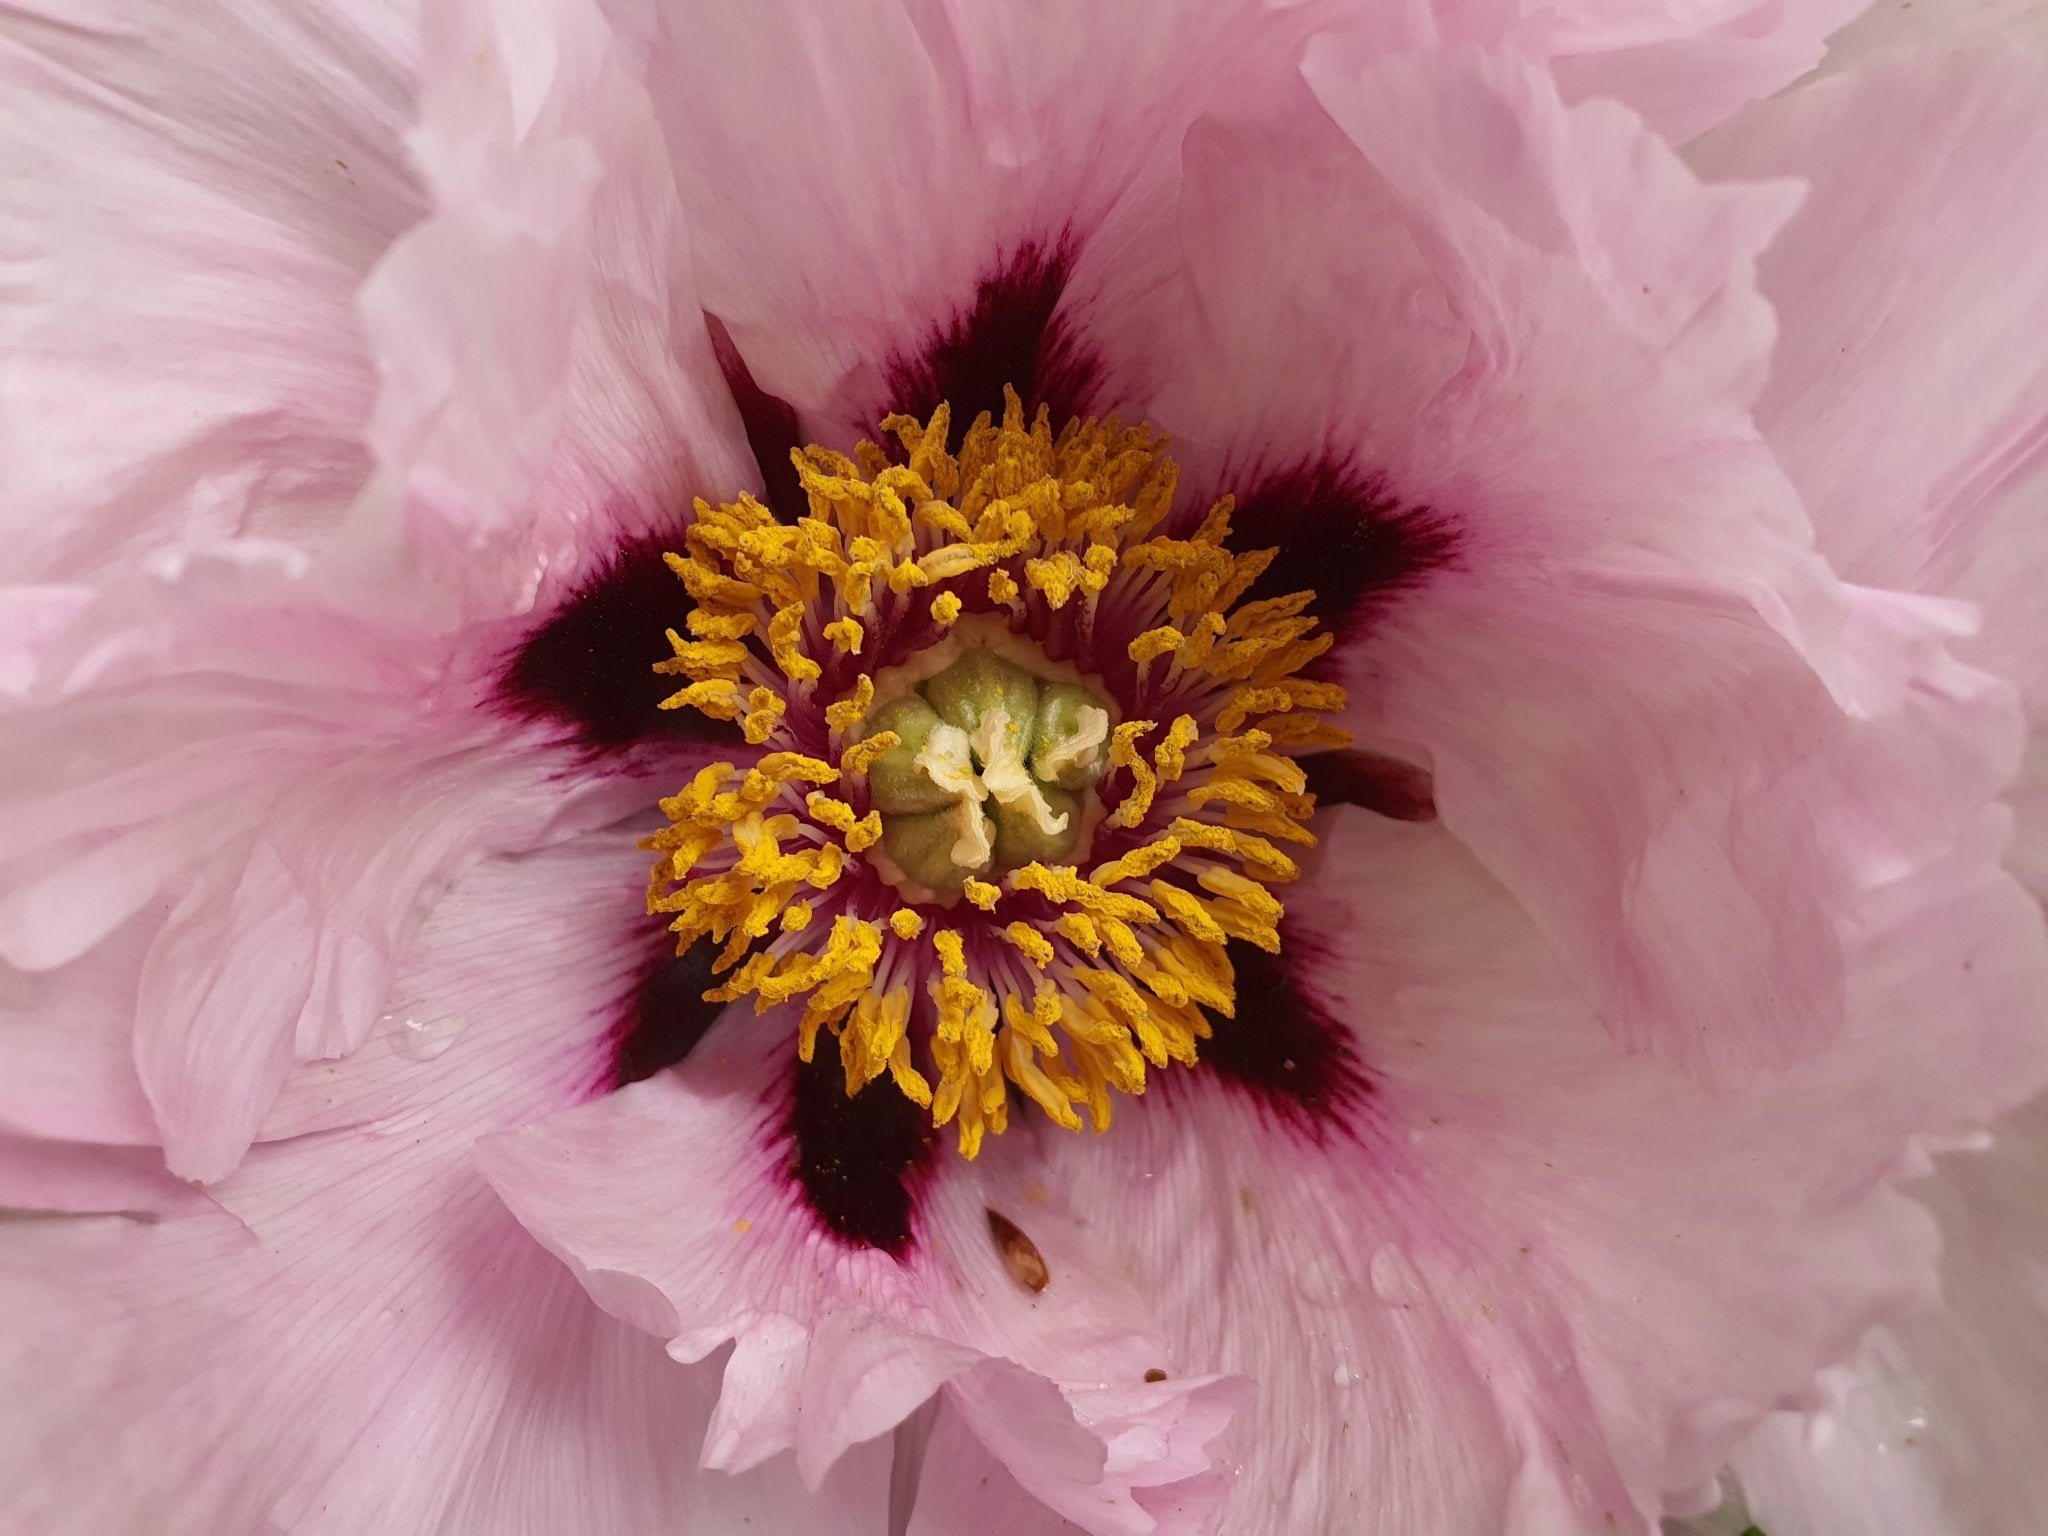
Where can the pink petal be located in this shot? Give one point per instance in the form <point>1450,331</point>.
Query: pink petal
<point>1532,1284</point>
<point>67,1176</point>
<point>297,782</point>
<point>1647,705</point>
<point>67,1040</point>
<point>838,1344</point>
<point>1936,1427</point>
<point>361,1338</point>
<point>1896,326</point>
<point>1898,25</point>
<point>245,173</point>
<point>314,765</point>
<point>1908,390</point>
<point>1687,67</point>
<point>1006,136</point>
<point>961,1487</point>
<point>548,383</point>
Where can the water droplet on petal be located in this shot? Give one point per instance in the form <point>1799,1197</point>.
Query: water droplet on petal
<point>418,1037</point>
<point>1394,1279</point>
<point>1321,1282</point>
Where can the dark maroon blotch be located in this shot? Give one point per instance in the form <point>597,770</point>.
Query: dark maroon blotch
<point>770,423</point>
<point>857,1160</point>
<point>1282,1046</point>
<point>1342,535</point>
<point>1386,786</point>
<point>668,1015</point>
<point>591,665</point>
<point>1009,334</point>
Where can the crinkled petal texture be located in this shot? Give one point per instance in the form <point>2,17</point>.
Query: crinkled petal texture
<point>1936,1425</point>
<point>866,183</point>
<point>1521,1282</point>
<point>836,1343</point>
<point>351,1334</point>
<point>1649,707</point>
<point>1687,67</point>
<point>1483,361</point>
<point>1006,165</point>
<point>280,720</point>
<point>1910,403</point>
<point>245,173</point>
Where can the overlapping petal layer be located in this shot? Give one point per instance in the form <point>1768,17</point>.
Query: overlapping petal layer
<point>1480,351</point>
<point>1911,408</point>
<point>836,1344</point>
<point>352,1334</point>
<point>266,714</point>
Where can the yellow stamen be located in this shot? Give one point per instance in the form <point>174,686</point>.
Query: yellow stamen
<point>1102,973</point>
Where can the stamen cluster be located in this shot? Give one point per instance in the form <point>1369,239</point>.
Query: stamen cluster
<point>1061,983</point>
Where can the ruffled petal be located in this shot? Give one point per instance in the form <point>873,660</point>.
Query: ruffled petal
<point>1936,1425</point>
<point>1589,600</point>
<point>358,1337</point>
<point>306,784</point>
<point>1686,67</point>
<point>837,1342</point>
<point>960,1486</point>
<point>1897,322</point>
<point>1893,26</point>
<point>1908,392</point>
<point>320,758</point>
<point>1003,140</point>
<point>1528,1284</point>
<point>245,171</point>
<point>549,388</point>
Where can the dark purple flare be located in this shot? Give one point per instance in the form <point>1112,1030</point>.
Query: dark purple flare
<point>590,666</point>
<point>1341,534</point>
<point>1283,1048</point>
<point>668,1014</point>
<point>1008,334</point>
<point>1386,786</point>
<point>857,1160</point>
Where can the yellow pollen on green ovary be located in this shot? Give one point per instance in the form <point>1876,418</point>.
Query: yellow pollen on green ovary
<point>1062,885</point>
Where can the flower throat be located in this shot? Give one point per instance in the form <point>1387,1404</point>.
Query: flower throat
<point>1028,763</point>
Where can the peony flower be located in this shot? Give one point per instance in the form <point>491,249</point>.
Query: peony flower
<point>1173,782</point>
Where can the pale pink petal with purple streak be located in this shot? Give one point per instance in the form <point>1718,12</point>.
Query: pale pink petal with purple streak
<point>358,1336</point>
<point>1645,1262</point>
<point>318,762</point>
<point>1621,673</point>
<point>837,1343</point>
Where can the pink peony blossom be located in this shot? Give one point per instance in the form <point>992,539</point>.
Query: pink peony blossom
<point>1501,1113</point>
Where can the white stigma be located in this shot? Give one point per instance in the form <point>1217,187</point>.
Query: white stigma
<point>1091,730</point>
<point>1000,746</point>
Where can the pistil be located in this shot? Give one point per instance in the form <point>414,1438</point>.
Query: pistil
<point>982,777</point>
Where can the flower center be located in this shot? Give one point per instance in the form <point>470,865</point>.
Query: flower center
<point>991,761</point>
<point>975,672</point>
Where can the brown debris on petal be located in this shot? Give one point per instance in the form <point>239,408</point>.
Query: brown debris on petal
<point>1020,1255</point>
